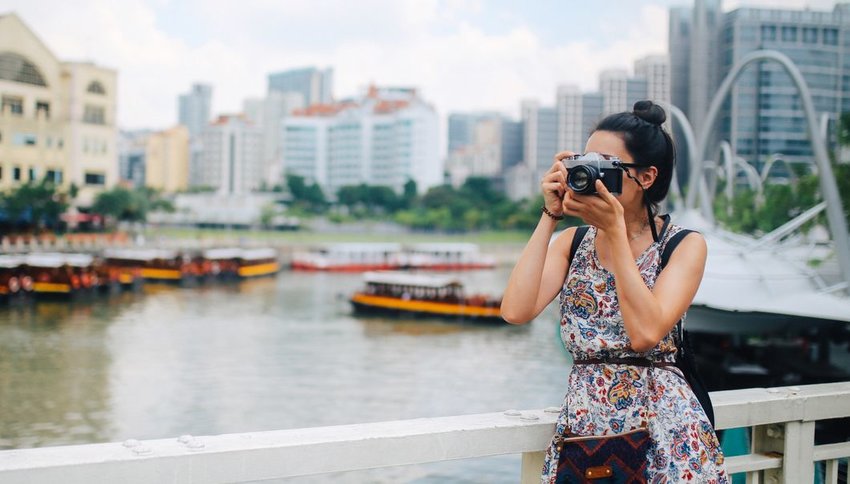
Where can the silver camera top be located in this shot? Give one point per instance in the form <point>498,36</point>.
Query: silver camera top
<point>599,160</point>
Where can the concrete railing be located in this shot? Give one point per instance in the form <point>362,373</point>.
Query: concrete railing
<point>782,422</point>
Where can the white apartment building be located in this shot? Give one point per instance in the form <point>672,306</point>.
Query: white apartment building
<point>231,157</point>
<point>386,137</point>
<point>57,119</point>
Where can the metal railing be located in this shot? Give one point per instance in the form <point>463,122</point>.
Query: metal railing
<point>782,423</point>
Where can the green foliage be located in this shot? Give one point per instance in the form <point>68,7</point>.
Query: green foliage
<point>781,203</point>
<point>307,198</point>
<point>39,203</point>
<point>122,204</point>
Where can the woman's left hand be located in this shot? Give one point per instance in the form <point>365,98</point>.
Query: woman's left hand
<point>601,210</point>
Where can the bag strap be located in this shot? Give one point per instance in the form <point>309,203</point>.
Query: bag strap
<point>577,238</point>
<point>671,245</point>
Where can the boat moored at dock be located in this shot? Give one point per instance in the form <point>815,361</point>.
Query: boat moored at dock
<point>154,264</point>
<point>423,295</point>
<point>51,275</point>
<point>257,263</point>
<point>14,281</point>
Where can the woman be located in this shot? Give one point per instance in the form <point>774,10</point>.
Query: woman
<point>616,303</point>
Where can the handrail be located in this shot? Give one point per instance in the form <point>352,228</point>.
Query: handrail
<point>782,420</point>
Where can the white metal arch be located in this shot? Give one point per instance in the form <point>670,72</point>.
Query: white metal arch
<point>828,187</point>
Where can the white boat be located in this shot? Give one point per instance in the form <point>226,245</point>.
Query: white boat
<point>447,256</point>
<point>350,257</point>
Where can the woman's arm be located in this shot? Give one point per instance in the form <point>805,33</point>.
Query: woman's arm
<point>538,274</point>
<point>650,315</point>
<point>540,270</point>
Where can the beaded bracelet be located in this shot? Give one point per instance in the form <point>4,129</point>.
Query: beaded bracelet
<point>550,214</point>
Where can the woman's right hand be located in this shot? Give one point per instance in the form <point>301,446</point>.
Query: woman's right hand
<point>554,184</point>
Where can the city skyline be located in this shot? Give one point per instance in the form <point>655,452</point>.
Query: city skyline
<point>462,55</point>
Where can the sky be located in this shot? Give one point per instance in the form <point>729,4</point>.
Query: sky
<point>462,55</point>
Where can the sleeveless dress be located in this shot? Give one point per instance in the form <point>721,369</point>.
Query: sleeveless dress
<point>613,398</point>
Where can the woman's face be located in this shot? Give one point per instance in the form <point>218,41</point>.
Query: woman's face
<point>611,143</point>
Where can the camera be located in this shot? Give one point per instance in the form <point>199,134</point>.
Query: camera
<point>584,170</point>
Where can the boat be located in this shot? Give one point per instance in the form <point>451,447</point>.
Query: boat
<point>423,295</point>
<point>157,264</point>
<point>447,256</point>
<point>223,261</point>
<point>350,257</point>
<point>124,264</point>
<point>84,267</point>
<point>51,275</point>
<point>257,263</point>
<point>14,281</point>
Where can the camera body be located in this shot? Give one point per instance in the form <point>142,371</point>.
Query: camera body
<point>584,170</point>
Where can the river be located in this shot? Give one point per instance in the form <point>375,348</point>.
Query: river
<point>269,354</point>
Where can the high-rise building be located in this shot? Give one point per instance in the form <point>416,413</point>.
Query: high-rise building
<point>268,113</point>
<point>57,119</point>
<point>194,108</point>
<point>620,91</point>
<point>540,136</point>
<point>655,69</point>
<point>131,156</point>
<point>385,137</point>
<point>704,59</point>
<point>482,144</point>
<point>679,42</point>
<point>578,113</point>
<point>167,160</point>
<point>314,85</point>
<point>231,157</point>
<point>763,114</point>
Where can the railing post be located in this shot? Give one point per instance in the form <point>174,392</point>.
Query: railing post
<point>532,466</point>
<point>831,474</point>
<point>767,439</point>
<point>798,465</point>
<point>796,444</point>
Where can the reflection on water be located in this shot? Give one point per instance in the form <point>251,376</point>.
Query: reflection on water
<point>265,354</point>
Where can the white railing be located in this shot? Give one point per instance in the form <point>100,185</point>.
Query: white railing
<point>782,422</point>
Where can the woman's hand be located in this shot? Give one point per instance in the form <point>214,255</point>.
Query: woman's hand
<point>602,210</point>
<point>554,184</point>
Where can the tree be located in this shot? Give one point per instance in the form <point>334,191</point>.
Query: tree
<point>123,204</point>
<point>308,197</point>
<point>38,204</point>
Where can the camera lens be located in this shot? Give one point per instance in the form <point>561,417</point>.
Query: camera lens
<point>581,178</point>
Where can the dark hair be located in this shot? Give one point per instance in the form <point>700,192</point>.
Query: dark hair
<point>647,142</point>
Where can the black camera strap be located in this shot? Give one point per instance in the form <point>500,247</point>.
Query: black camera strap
<point>650,217</point>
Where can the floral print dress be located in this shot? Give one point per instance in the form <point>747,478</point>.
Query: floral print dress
<point>614,398</point>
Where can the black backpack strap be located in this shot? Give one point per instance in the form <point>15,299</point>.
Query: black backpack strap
<point>671,246</point>
<point>577,238</point>
<point>684,353</point>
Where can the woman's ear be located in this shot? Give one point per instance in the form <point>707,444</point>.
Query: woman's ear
<point>647,176</point>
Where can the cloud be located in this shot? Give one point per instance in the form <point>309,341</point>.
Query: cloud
<point>444,47</point>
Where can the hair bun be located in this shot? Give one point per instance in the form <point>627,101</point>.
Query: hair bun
<point>650,112</point>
